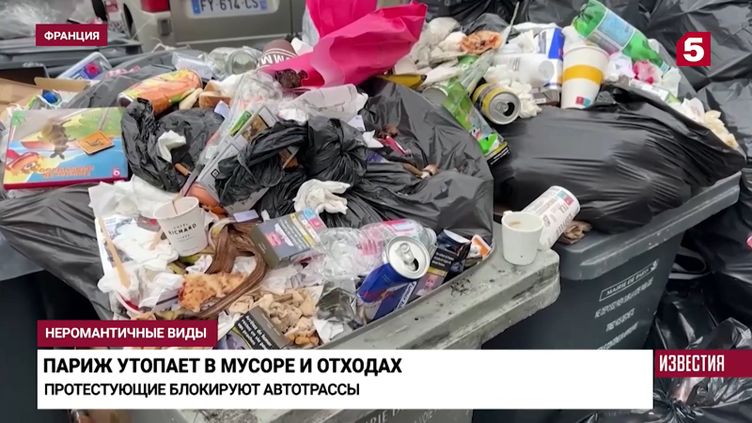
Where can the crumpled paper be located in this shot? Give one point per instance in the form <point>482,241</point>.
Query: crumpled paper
<point>129,198</point>
<point>169,140</point>
<point>505,78</point>
<point>695,110</point>
<point>341,102</point>
<point>321,196</point>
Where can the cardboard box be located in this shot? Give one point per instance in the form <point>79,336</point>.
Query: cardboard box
<point>12,92</point>
<point>289,238</point>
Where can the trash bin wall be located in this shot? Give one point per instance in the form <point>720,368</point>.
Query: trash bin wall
<point>611,284</point>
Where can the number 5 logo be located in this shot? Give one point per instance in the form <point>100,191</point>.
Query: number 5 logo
<point>693,49</point>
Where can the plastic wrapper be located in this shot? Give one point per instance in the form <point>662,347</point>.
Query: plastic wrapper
<point>486,22</point>
<point>56,228</point>
<point>328,19</point>
<point>162,91</point>
<point>365,47</point>
<point>697,400</point>
<point>141,130</point>
<point>727,21</point>
<point>626,159</point>
<point>105,93</point>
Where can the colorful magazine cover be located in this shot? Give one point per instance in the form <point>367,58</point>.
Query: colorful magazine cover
<point>50,148</point>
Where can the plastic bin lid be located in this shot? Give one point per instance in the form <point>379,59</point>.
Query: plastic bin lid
<point>599,253</point>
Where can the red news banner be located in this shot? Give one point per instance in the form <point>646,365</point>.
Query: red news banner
<point>703,363</point>
<point>126,333</point>
<point>71,35</point>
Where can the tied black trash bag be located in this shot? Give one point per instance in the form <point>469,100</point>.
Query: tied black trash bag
<point>330,150</point>
<point>141,131</point>
<point>626,159</point>
<point>279,199</point>
<point>55,229</point>
<point>690,400</point>
<point>459,197</point>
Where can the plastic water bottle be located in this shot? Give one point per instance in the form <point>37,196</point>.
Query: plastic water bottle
<point>349,253</point>
<point>610,32</point>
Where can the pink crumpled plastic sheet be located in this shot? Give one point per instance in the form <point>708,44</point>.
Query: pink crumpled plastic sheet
<point>365,47</point>
<point>328,19</point>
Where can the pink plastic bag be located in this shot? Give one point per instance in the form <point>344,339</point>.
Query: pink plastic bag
<point>368,46</point>
<point>329,16</point>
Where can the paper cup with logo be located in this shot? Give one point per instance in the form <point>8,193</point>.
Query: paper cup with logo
<point>520,236</point>
<point>182,221</point>
<point>584,69</point>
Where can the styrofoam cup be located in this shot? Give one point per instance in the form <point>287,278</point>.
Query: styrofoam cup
<point>584,70</point>
<point>520,237</point>
<point>182,221</point>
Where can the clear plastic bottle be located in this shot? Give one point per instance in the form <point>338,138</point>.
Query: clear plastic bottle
<point>610,32</point>
<point>349,253</point>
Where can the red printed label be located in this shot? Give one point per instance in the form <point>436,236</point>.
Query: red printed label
<point>126,333</point>
<point>693,49</point>
<point>71,35</point>
<point>698,363</point>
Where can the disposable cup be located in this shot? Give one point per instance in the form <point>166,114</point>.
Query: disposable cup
<point>520,236</point>
<point>182,221</point>
<point>584,70</point>
<point>534,69</point>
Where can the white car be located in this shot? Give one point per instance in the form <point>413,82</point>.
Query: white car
<point>206,24</point>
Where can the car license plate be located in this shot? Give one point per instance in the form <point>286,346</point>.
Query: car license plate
<point>218,8</point>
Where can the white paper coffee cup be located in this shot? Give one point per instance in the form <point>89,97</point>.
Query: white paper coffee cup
<point>182,221</point>
<point>520,237</point>
<point>584,70</point>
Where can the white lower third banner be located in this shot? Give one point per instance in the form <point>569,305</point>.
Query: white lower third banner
<point>330,379</point>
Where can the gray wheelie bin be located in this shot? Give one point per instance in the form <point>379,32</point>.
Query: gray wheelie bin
<point>611,284</point>
<point>462,314</point>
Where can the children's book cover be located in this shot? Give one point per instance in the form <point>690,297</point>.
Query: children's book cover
<point>50,148</point>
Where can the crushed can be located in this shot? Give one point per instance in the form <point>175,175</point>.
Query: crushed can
<point>405,260</point>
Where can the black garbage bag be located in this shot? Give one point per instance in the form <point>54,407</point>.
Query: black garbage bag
<point>729,23</point>
<point>626,158</point>
<point>330,150</point>
<point>258,165</point>
<point>707,400</point>
<point>561,12</point>
<point>683,317</point>
<point>359,212</point>
<point>279,199</point>
<point>468,11</point>
<point>55,230</point>
<point>725,240</point>
<point>141,131</point>
<point>335,151</point>
<point>105,93</point>
<point>459,198</point>
<point>486,22</point>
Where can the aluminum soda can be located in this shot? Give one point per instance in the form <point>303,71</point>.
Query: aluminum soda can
<point>497,105</point>
<point>558,208</point>
<point>405,260</point>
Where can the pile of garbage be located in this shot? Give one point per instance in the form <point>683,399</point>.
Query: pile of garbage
<point>311,188</point>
